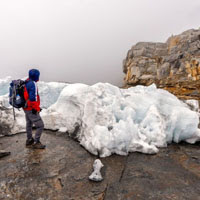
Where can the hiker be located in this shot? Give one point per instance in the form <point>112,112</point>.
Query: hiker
<point>32,110</point>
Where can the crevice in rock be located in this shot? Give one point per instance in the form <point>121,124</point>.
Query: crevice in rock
<point>74,135</point>
<point>104,192</point>
<point>122,173</point>
<point>51,130</point>
<point>4,153</point>
<point>12,135</point>
<point>60,181</point>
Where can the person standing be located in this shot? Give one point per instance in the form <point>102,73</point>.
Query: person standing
<point>32,110</point>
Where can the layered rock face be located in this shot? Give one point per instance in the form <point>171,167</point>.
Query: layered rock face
<point>174,65</point>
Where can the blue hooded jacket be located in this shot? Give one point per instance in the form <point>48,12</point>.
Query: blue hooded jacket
<point>31,91</point>
<point>34,75</point>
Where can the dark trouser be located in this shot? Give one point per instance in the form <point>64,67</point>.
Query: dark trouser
<point>37,121</point>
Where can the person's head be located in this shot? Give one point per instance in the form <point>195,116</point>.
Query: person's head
<point>34,75</point>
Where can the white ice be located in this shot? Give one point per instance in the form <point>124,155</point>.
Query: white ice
<point>49,91</point>
<point>107,120</point>
<point>4,84</point>
<point>96,174</point>
<point>193,104</point>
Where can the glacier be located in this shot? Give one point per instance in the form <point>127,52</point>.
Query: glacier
<point>108,120</point>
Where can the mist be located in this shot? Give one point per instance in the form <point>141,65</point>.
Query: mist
<point>84,41</point>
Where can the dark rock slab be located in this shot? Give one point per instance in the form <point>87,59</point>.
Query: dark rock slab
<point>61,172</point>
<point>174,173</point>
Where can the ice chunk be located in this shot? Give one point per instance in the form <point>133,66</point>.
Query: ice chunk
<point>194,138</point>
<point>49,92</point>
<point>107,120</point>
<point>153,128</point>
<point>4,85</point>
<point>96,174</point>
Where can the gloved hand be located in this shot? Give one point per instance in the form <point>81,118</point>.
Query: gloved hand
<point>34,111</point>
<point>40,109</point>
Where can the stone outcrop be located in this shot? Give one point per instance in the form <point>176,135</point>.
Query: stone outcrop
<point>174,65</point>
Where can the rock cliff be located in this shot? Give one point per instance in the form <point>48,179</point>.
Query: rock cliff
<point>174,65</point>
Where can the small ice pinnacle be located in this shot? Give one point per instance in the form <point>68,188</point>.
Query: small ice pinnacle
<point>96,174</point>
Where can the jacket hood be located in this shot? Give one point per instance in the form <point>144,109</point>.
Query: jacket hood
<point>34,75</point>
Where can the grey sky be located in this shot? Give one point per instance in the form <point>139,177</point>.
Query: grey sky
<point>84,40</point>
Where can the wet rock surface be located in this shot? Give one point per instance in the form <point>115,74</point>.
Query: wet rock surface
<point>61,172</point>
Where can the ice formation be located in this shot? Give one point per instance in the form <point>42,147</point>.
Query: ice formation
<point>96,174</point>
<point>193,104</point>
<point>4,85</point>
<point>107,120</point>
<point>49,91</point>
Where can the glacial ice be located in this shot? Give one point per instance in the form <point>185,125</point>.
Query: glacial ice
<point>4,85</point>
<point>96,174</point>
<point>107,120</point>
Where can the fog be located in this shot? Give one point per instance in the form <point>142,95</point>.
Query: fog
<point>84,40</point>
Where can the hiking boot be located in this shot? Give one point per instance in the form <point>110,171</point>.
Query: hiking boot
<point>38,145</point>
<point>29,142</point>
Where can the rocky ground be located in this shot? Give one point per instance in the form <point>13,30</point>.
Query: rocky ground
<point>61,172</point>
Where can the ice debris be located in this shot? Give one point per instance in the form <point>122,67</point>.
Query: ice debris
<point>96,174</point>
